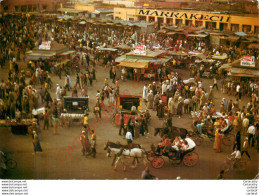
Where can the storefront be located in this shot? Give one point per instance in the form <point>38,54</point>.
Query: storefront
<point>208,20</point>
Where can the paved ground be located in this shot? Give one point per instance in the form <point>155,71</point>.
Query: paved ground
<point>72,165</point>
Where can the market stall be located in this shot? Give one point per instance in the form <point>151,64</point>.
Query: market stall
<point>18,127</point>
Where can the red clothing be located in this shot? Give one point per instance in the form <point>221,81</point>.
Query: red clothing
<point>164,99</point>
<point>166,142</point>
<point>46,116</point>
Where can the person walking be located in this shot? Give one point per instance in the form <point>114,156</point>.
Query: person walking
<point>85,144</point>
<point>215,83</point>
<point>46,120</point>
<point>93,146</point>
<point>36,142</point>
<point>137,128</point>
<point>121,123</point>
<point>245,148</point>
<point>251,134</point>
<point>146,174</point>
<point>78,81</point>
<point>129,137</point>
<point>55,119</point>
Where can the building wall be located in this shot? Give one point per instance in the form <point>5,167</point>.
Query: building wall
<point>125,14</point>
<point>89,8</point>
<point>27,5</point>
<point>208,20</point>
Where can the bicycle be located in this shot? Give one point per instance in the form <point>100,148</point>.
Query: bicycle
<point>230,164</point>
<point>10,163</point>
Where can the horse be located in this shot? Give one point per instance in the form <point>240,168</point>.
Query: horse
<point>175,131</point>
<point>131,150</point>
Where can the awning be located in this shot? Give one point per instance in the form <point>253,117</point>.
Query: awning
<point>201,56</point>
<point>242,72</point>
<point>38,56</point>
<point>82,22</point>
<point>68,52</point>
<point>226,67</point>
<point>197,35</point>
<point>177,53</point>
<point>240,33</point>
<point>171,33</point>
<point>223,57</point>
<point>161,31</point>
<point>107,49</point>
<point>124,47</point>
<point>253,45</point>
<point>134,64</point>
<point>120,58</point>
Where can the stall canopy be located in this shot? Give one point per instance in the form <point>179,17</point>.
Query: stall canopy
<point>68,52</point>
<point>126,47</point>
<point>134,64</point>
<point>242,72</point>
<point>240,33</point>
<point>226,67</point>
<point>107,49</point>
<point>38,56</point>
<point>253,45</point>
<point>221,57</point>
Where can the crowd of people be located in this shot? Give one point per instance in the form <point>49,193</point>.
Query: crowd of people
<point>169,94</point>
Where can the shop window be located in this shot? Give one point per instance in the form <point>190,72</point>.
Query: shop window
<point>198,23</point>
<point>256,30</point>
<point>178,21</point>
<point>29,8</point>
<point>34,8</point>
<point>246,28</point>
<point>223,26</point>
<point>23,8</point>
<point>142,18</point>
<point>235,27</point>
<point>151,19</point>
<point>131,19</point>
<point>45,7</point>
<point>188,22</point>
<point>16,7</point>
<point>169,21</point>
<point>211,25</point>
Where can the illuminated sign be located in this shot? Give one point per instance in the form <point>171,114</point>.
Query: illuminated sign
<point>248,61</point>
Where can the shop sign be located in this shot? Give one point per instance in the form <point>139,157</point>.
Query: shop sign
<point>185,15</point>
<point>248,61</point>
<point>140,50</point>
<point>45,45</point>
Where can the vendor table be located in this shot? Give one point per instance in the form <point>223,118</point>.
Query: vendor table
<point>17,128</point>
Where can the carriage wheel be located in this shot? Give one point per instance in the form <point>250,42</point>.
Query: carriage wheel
<point>191,159</point>
<point>198,140</point>
<point>157,162</point>
<point>228,140</point>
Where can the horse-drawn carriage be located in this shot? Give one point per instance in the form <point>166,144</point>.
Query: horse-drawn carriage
<point>208,129</point>
<point>188,156</point>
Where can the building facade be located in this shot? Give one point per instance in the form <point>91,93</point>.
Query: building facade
<point>30,5</point>
<point>208,20</point>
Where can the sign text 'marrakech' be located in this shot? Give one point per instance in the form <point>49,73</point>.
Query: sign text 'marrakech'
<point>183,15</point>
